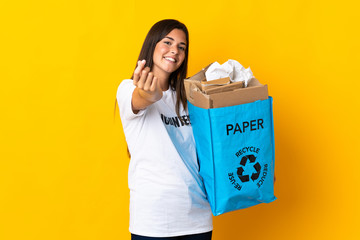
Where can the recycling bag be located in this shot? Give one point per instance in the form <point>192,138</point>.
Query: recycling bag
<point>236,153</point>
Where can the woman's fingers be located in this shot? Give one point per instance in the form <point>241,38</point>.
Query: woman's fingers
<point>137,72</point>
<point>154,84</point>
<point>144,74</point>
<point>144,79</point>
<point>148,81</point>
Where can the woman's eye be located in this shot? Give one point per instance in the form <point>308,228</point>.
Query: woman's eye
<point>182,48</point>
<point>167,43</point>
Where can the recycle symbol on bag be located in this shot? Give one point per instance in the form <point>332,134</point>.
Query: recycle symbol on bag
<point>240,171</point>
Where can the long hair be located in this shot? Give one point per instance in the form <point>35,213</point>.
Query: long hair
<point>176,80</point>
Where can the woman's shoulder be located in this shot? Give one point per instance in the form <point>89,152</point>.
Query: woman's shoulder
<point>126,82</point>
<point>125,87</point>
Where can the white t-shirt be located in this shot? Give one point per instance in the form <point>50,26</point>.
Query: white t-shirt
<point>167,196</point>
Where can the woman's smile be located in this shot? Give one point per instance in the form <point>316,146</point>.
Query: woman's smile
<point>173,60</point>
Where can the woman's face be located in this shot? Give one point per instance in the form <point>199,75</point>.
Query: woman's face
<point>169,52</point>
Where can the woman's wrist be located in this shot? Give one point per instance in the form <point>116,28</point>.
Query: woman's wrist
<point>150,97</point>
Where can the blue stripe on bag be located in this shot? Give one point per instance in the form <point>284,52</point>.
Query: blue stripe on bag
<point>235,147</point>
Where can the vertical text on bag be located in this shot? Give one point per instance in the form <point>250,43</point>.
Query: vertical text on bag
<point>251,125</point>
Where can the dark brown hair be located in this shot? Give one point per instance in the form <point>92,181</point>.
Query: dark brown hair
<point>176,80</point>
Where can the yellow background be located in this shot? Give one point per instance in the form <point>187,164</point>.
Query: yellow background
<point>63,166</point>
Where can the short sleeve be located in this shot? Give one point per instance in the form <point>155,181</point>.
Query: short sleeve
<point>124,96</point>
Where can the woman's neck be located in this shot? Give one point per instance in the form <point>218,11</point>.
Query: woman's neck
<point>163,79</point>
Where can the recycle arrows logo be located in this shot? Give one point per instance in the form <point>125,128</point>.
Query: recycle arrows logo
<point>240,170</point>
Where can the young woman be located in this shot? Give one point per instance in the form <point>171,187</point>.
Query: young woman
<point>167,196</point>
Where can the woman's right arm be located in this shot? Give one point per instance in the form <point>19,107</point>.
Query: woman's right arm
<point>147,89</point>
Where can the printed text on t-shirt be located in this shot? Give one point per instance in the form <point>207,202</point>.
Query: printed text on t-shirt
<point>175,121</point>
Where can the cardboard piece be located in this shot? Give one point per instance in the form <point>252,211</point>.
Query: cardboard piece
<point>224,88</point>
<point>222,96</point>
<point>217,82</point>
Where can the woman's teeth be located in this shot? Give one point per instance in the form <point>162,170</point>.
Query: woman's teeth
<point>170,59</point>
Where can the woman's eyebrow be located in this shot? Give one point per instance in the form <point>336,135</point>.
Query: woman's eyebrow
<point>174,40</point>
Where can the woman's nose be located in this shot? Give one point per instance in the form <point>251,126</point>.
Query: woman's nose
<point>174,50</point>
